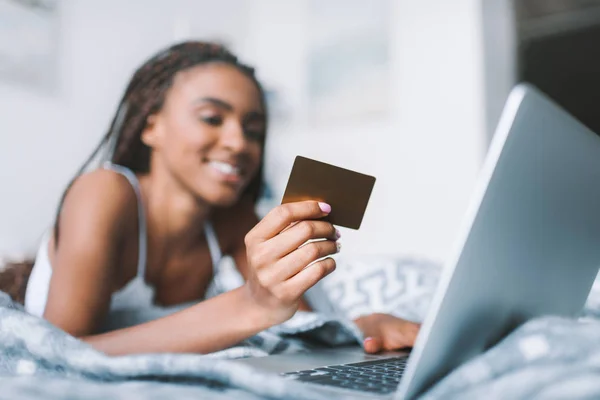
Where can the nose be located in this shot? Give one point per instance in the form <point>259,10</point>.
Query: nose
<point>233,137</point>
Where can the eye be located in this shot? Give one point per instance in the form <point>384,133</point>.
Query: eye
<point>213,120</point>
<point>254,128</point>
<point>254,134</point>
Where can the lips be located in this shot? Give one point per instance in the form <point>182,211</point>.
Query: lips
<point>225,167</point>
<point>226,171</point>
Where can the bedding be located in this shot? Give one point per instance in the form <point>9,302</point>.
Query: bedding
<point>546,358</point>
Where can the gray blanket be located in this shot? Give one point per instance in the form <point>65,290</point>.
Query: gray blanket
<point>547,358</point>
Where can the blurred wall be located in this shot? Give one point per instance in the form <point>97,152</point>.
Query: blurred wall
<point>426,155</point>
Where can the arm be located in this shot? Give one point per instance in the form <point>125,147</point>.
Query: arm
<point>93,225</point>
<point>209,326</point>
<point>95,217</point>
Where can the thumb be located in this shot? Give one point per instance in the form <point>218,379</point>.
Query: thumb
<point>372,344</point>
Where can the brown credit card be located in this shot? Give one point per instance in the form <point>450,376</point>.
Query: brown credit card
<point>347,192</point>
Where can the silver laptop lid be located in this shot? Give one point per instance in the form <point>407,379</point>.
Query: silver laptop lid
<point>530,244</point>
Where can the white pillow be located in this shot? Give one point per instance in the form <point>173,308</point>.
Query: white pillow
<point>402,286</point>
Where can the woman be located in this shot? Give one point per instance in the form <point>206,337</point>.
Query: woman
<point>148,228</point>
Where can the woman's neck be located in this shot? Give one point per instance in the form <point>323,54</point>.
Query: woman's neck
<point>175,217</point>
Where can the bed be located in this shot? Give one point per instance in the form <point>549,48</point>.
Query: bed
<point>546,358</point>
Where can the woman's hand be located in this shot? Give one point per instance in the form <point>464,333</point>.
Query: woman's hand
<point>386,332</point>
<point>278,256</point>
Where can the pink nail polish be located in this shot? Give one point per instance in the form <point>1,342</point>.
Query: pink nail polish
<point>338,234</point>
<point>326,208</point>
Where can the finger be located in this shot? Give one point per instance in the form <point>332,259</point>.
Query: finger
<point>297,235</point>
<point>372,345</point>
<point>282,216</point>
<point>309,276</point>
<point>410,333</point>
<point>404,333</point>
<point>395,340</point>
<point>401,335</point>
<point>299,259</point>
<point>289,226</point>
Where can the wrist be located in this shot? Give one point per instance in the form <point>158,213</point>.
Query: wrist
<point>255,315</point>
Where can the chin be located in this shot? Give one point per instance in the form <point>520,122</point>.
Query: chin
<point>220,198</point>
<point>226,201</point>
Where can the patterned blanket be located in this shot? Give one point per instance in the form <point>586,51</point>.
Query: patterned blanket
<point>547,358</point>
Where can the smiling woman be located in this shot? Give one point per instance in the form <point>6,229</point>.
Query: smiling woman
<point>144,233</point>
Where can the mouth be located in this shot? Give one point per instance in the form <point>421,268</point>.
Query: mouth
<point>226,171</point>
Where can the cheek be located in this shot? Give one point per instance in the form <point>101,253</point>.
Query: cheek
<point>188,138</point>
<point>255,155</point>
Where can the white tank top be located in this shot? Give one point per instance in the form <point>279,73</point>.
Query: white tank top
<point>132,304</point>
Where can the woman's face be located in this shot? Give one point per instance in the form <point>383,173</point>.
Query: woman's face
<point>208,135</point>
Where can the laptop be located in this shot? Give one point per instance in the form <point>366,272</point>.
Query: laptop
<point>529,246</point>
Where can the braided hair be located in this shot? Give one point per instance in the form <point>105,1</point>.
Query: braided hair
<point>145,95</point>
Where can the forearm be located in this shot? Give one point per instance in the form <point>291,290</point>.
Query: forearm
<point>209,326</point>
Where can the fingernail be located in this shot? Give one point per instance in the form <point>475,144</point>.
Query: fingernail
<point>338,234</point>
<point>367,340</point>
<point>326,208</point>
<point>338,245</point>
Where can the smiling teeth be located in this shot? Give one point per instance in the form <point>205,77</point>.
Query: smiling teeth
<point>225,168</point>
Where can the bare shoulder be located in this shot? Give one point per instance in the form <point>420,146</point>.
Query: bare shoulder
<point>103,182</point>
<point>102,198</point>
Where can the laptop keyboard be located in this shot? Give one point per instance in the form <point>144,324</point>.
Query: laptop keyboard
<point>378,376</point>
